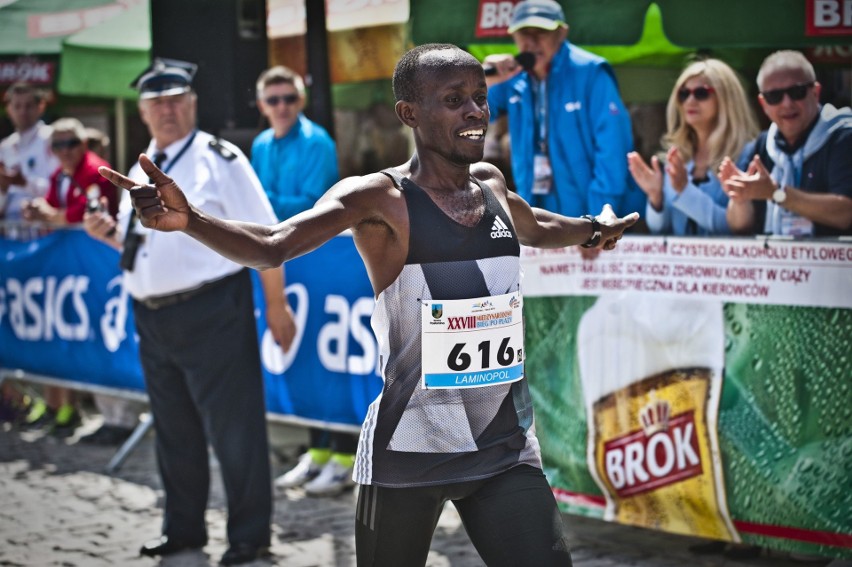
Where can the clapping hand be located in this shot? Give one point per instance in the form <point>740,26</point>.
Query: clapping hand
<point>649,179</point>
<point>753,184</point>
<point>676,169</point>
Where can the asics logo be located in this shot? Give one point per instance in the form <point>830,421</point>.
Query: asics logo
<point>500,230</point>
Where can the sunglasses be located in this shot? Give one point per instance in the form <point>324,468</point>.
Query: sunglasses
<point>796,92</point>
<point>286,99</point>
<point>700,93</point>
<point>65,144</point>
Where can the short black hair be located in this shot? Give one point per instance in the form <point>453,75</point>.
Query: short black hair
<point>406,85</point>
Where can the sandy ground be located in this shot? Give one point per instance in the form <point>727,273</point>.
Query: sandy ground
<point>59,507</point>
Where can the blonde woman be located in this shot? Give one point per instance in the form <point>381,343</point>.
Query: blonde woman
<point>708,118</point>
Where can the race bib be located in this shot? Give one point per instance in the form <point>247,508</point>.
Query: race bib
<point>471,343</point>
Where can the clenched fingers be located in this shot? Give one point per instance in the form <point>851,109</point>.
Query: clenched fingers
<point>146,200</point>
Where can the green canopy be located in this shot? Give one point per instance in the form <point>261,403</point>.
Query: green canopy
<point>646,70</point>
<point>651,48</point>
<point>101,61</point>
<point>769,24</point>
<point>95,59</point>
<point>19,35</point>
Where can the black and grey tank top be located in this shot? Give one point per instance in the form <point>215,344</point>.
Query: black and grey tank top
<point>418,437</point>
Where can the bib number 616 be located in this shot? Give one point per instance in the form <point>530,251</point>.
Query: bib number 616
<point>459,360</point>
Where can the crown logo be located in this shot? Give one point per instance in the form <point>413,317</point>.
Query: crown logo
<point>655,415</point>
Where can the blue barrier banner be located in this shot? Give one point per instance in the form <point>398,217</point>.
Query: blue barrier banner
<point>64,313</point>
<point>330,373</point>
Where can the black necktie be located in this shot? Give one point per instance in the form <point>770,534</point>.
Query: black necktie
<point>159,159</point>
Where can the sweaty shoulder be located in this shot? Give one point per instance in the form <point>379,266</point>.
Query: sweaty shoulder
<point>490,175</point>
<point>372,184</point>
<point>373,196</point>
<point>375,210</point>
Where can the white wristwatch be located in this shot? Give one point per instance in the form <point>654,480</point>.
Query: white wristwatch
<point>779,195</point>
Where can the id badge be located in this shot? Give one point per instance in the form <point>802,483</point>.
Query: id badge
<point>794,225</point>
<point>542,175</point>
<point>472,343</point>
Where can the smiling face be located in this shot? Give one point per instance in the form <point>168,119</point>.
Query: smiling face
<point>791,116</point>
<point>281,104</point>
<point>452,113</point>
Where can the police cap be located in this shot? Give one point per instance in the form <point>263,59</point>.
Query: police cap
<point>165,77</point>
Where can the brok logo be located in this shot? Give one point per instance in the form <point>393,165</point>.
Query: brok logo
<point>664,451</point>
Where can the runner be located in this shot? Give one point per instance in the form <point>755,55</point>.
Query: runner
<point>440,238</point>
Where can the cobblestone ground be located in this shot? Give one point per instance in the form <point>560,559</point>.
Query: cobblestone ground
<point>59,508</point>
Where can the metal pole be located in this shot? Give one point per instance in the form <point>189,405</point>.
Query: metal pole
<point>319,80</point>
<point>120,135</point>
<point>145,423</point>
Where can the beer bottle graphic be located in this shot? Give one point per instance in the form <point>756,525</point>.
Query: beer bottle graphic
<point>651,370</point>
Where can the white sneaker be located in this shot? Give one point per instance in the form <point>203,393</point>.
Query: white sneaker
<point>334,479</point>
<point>304,471</point>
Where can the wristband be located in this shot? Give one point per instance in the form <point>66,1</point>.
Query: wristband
<point>595,238</point>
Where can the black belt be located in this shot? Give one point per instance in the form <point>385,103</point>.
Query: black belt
<point>160,301</point>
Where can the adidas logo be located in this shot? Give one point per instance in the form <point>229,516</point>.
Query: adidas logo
<point>500,230</point>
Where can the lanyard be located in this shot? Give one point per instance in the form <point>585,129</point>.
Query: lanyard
<point>132,222</point>
<point>798,161</point>
<point>180,153</point>
<point>540,95</point>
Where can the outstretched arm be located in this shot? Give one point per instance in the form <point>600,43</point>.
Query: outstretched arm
<point>163,206</point>
<point>545,229</point>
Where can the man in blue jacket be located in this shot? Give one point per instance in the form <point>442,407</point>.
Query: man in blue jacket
<point>295,158</point>
<point>569,129</point>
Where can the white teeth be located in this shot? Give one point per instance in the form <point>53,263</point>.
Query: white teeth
<point>472,133</point>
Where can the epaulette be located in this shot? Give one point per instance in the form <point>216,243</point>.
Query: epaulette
<point>217,146</point>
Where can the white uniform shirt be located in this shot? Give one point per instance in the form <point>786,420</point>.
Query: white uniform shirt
<point>29,152</point>
<point>168,263</point>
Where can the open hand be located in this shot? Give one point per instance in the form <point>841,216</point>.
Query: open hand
<point>649,179</point>
<point>161,206</point>
<point>612,227</point>
<point>754,184</point>
<point>676,169</point>
<point>728,169</point>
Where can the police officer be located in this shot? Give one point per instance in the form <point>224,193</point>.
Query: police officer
<point>197,339</point>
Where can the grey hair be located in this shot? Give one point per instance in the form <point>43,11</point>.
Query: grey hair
<point>785,60</point>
